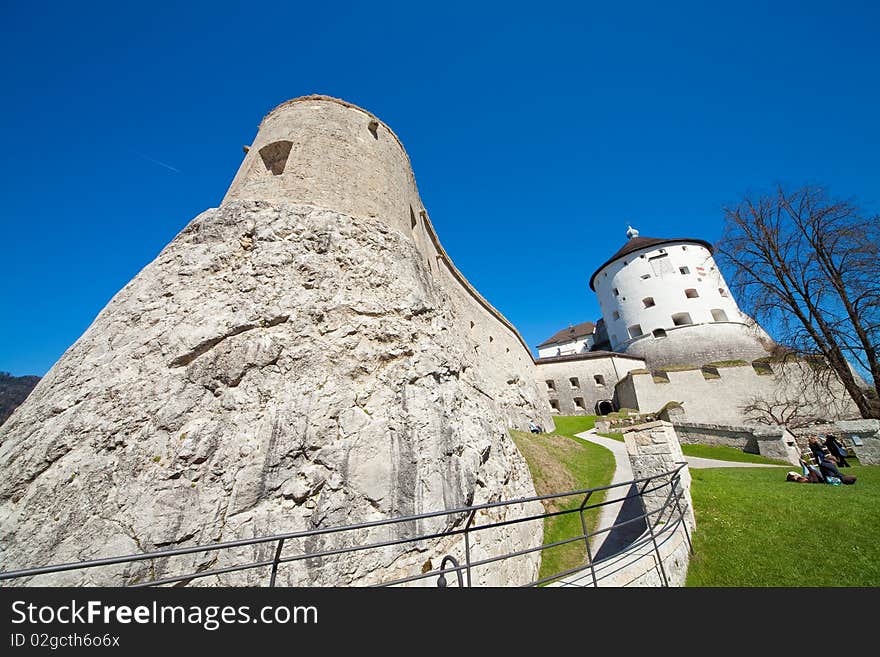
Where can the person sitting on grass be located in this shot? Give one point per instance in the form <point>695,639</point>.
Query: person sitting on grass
<point>835,446</point>
<point>534,428</point>
<point>828,463</point>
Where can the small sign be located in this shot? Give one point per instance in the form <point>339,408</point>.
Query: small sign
<point>857,441</point>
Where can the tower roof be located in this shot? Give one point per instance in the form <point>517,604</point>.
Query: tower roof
<point>569,334</point>
<point>636,243</point>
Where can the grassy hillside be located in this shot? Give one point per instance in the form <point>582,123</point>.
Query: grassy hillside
<point>756,529</point>
<point>560,462</point>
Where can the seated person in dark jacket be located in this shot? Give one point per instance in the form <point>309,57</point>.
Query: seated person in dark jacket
<point>835,446</point>
<point>826,462</point>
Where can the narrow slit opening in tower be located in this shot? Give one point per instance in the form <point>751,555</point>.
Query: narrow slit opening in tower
<point>275,155</point>
<point>412,218</point>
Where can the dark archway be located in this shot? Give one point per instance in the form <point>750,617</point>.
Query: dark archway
<point>604,407</point>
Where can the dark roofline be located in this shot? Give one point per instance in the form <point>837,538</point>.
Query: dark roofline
<point>572,333</point>
<point>655,242</point>
<point>589,355</point>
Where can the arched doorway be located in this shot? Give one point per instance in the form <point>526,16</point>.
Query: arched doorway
<point>604,407</point>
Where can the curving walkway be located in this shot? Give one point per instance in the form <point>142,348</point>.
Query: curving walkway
<point>615,540</point>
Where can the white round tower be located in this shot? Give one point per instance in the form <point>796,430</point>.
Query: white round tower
<point>665,300</point>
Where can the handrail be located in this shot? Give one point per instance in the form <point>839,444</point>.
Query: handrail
<point>670,479</point>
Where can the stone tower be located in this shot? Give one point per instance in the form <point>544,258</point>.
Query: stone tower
<point>665,300</point>
<point>306,355</point>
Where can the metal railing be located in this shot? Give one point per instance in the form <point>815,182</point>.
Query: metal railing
<point>670,513</point>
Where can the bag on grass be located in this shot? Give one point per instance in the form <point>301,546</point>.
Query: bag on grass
<point>834,481</point>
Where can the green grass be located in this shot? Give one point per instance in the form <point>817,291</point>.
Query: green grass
<point>560,462</point>
<point>569,425</point>
<point>756,529</point>
<point>723,453</point>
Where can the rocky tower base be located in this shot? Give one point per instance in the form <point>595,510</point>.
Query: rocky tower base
<point>277,368</point>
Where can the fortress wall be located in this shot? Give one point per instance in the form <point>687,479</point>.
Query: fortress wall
<point>721,400</point>
<point>337,162</point>
<point>698,344</point>
<point>304,355</point>
<point>560,372</point>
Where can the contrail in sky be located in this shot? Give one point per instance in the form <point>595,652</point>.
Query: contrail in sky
<point>161,164</point>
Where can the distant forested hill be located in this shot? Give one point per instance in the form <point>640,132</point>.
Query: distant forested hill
<point>13,391</point>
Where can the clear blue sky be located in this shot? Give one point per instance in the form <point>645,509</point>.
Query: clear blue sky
<point>537,131</point>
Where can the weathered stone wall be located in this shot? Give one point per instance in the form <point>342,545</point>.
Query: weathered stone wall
<point>771,442</point>
<point>584,368</point>
<point>304,356</point>
<point>344,158</point>
<point>721,398</point>
<point>699,343</point>
<point>867,431</point>
<point>653,448</point>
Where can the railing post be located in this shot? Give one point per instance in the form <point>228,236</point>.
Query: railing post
<point>467,546</point>
<point>275,563</point>
<point>654,538</point>
<point>587,539</point>
<point>676,481</point>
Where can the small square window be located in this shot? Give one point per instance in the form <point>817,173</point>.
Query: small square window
<point>722,292</point>
<point>554,404</point>
<point>616,292</point>
<point>551,384</point>
<point>579,403</point>
<point>648,301</point>
<point>573,381</point>
<point>634,331</point>
<point>684,270</point>
<point>691,293</point>
<point>599,379</point>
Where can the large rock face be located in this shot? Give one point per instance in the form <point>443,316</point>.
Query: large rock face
<point>278,367</point>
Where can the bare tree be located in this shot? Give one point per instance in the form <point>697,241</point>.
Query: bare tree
<point>778,411</point>
<point>809,266</point>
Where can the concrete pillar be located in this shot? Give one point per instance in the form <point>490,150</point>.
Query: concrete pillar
<point>653,448</point>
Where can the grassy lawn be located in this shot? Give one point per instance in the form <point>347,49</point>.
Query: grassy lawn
<point>560,462</point>
<point>756,529</point>
<point>569,425</point>
<point>723,453</point>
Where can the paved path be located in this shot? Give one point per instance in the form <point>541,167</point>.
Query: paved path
<point>608,543</point>
<point>611,542</point>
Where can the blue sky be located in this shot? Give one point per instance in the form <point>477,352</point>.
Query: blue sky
<point>537,131</point>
